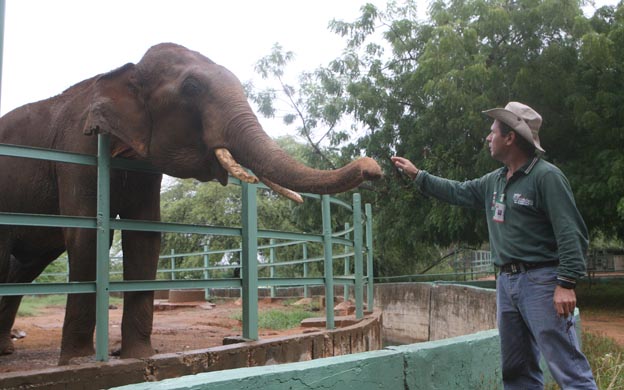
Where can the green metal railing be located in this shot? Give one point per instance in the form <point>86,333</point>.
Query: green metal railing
<point>249,233</point>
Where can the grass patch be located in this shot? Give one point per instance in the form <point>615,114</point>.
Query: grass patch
<point>601,295</point>
<point>606,359</point>
<point>605,356</point>
<point>279,319</point>
<point>32,305</point>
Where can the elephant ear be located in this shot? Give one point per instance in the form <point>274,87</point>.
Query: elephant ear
<point>117,108</point>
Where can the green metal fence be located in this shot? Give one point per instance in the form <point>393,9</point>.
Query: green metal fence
<point>248,231</point>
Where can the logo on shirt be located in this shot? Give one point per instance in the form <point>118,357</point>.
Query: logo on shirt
<point>519,199</point>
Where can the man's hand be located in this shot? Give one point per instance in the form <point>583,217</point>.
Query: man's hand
<point>406,166</point>
<point>565,301</point>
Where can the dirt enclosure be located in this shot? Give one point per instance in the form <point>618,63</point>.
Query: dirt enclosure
<point>188,326</point>
<point>193,325</point>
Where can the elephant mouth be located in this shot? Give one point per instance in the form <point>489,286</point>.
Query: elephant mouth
<point>228,162</point>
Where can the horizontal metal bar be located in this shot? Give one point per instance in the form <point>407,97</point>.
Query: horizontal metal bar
<point>341,203</point>
<point>168,227</point>
<point>46,220</point>
<point>47,288</point>
<point>46,154</point>
<point>282,244</point>
<point>341,241</point>
<point>289,236</point>
<point>290,282</point>
<point>154,285</point>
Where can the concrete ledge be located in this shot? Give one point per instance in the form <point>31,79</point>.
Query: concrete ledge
<point>357,372</point>
<point>466,362</point>
<point>360,337</point>
<point>459,363</point>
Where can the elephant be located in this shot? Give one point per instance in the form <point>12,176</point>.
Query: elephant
<point>175,109</point>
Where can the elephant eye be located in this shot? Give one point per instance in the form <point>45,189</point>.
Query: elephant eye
<point>191,87</point>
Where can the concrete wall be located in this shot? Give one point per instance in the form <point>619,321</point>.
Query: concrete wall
<point>415,312</point>
<point>467,362</point>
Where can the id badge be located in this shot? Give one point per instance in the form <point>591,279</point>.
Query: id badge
<point>499,212</point>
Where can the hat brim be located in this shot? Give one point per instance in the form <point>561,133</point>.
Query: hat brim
<point>515,122</point>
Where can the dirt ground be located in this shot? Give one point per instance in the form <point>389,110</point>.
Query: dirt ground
<point>197,326</point>
<point>193,325</point>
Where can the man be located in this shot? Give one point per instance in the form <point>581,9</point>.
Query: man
<point>538,241</point>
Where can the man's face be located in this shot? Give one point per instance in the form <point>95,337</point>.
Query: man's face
<point>497,142</point>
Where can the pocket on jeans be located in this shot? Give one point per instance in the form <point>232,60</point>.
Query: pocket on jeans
<point>545,276</point>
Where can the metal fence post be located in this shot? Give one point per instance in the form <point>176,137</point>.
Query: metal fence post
<point>370,301</point>
<point>249,262</point>
<point>306,292</point>
<point>206,271</point>
<point>272,262</point>
<point>102,248</point>
<point>358,258</point>
<point>172,262</point>
<point>347,266</point>
<point>329,270</point>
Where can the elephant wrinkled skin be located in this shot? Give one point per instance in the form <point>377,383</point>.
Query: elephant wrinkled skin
<point>175,109</point>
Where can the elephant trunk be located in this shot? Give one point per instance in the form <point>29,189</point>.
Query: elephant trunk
<point>254,149</point>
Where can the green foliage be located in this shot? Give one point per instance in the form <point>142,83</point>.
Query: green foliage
<point>279,319</point>
<point>606,359</point>
<point>33,305</point>
<point>417,88</point>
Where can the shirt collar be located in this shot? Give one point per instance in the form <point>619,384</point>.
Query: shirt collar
<point>526,168</point>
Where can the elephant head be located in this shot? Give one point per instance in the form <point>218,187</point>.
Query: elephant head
<point>191,118</point>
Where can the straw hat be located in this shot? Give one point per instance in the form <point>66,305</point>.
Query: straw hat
<point>523,119</point>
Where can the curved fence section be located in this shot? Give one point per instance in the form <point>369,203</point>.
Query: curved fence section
<point>354,243</point>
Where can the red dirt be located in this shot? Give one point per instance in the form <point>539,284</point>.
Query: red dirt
<point>186,328</point>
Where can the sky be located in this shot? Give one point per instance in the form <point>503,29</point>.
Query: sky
<point>51,45</point>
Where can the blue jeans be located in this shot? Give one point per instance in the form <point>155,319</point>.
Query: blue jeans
<point>529,324</point>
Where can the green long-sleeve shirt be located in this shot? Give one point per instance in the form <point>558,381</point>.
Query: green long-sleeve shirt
<point>540,220</point>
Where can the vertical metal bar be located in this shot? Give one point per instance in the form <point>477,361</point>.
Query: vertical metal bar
<point>358,258</point>
<point>249,262</point>
<point>347,268</point>
<point>206,271</point>
<point>306,292</point>
<point>102,248</point>
<point>2,9</point>
<point>369,257</point>
<point>329,269</point>
<point>172,262</point>
<point>272,262</point>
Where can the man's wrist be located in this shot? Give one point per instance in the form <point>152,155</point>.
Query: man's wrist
<point>566,282</point>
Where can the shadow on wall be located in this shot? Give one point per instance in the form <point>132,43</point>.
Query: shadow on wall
<point>417,312</point>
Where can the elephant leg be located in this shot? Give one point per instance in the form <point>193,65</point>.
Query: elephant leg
<point>141,251</point>
<point>79,323</point>
<point>14,271</point>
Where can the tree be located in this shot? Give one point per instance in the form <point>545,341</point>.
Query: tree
<point>418,89</point>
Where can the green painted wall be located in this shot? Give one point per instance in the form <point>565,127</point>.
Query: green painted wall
<point>466,362</point>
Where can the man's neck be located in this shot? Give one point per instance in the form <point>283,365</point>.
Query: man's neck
<point>515,161</point>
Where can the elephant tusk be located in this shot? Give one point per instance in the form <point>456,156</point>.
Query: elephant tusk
<point>227,161</point>
<point>290,194</point>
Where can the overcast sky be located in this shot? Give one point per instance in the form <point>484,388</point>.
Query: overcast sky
<point>50,45</point>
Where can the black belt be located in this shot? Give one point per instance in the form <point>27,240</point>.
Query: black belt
<point>521,266</point>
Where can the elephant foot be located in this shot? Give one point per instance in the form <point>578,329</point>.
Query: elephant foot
<point>68,355</point>
<point>136,351</point>
<point>6,345</point>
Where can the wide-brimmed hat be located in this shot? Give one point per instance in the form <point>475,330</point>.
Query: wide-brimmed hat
<point>522,118</point>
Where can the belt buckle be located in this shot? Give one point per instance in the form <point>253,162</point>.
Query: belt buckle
<point>515,268</point>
